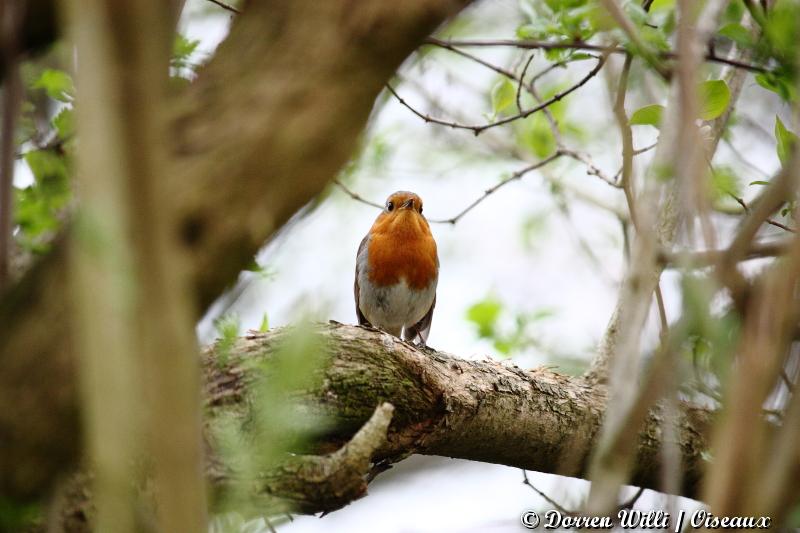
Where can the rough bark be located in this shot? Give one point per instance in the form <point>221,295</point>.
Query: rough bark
<point>268,123</point>
<point>443,405</point>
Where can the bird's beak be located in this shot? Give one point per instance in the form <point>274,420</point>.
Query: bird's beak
<point>408,204</point>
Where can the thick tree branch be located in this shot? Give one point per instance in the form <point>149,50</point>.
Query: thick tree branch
<point>480,410</point>
<point>438,404</point>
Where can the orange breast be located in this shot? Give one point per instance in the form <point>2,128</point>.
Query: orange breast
<point>402,247</point>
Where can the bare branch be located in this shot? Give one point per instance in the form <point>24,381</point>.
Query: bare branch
<point>770,221</point>
<point>355,196</point>
<point>479,128</point>
<point>575,45</point>
<point>225,6</point>
<point>548,499</point>
<point>491,190</point>
<point>693,259</point>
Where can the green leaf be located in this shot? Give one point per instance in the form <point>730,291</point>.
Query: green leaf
<point>655,37</point>
<point>724,181</point>
<point>264,327</point>
<point>57,84</point>
<point>503,346</point>
<point>778,81</point>
<point>737,33</point>
<point>38,207</point>
<point>649,115</point>
<point>535,135</point>
<point>484,315</point>
<point>758,182</point>
<point>503,95</point>
<point>64,123</point>
<point>227,327</point>
<point>182,49</point>
<point>47,167</point>
<point>714,99</point>
<point>786,140</point>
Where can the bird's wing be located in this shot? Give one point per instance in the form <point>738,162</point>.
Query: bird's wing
<point>421,329</point>
<point>362,320</point>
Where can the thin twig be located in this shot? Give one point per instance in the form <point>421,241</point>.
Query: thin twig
<point>478,129</point>
<point>575,45</point>
<point>591,169</point>
<point>226,7</point>
<point>633,499</point>
<point>354,195</point>
<point>522,82</point>
<point>553,66</point>
<point>627,26</point>
<point>491,190</point>
<point>548,499</point>
<point>645,149</point>
<point>500,70</point>
<point>626,179</point>
<point>769,221</point>
<point>662,313</point>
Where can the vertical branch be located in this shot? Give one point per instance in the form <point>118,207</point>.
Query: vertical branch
<point>9,28</point>
<point>168,346</point>
<point>741,446</point>
<point>618,354</point>
<point>102,275</point>
<point>126,258</point>
<point>764,462</point>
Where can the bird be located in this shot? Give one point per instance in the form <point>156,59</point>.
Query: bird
<point>397,270</point>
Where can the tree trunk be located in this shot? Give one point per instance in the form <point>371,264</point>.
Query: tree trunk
<point>271,119</point>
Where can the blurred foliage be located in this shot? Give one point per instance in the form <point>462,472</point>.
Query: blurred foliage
<point>264,326</point>
<point>183,52</point>
<point>724,183</point>
<point>228,327</point>
<point>254,439</point>
<point>15,516</point>
<point>713,96</point>
<point>534,134</point>
<point>46,142</point>
<point>785,140</point>
<point>509,332</point>
<point>46,146</point>
<point>514,333</point>
<point>711,336</point>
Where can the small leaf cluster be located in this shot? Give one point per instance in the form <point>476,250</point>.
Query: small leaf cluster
<point>488,316</point>
<point>46,146</point>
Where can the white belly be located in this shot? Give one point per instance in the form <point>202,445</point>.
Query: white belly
<point>394,307</point>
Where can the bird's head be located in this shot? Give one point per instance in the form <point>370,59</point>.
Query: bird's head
<point>402,211</point>
<point>400,201</point>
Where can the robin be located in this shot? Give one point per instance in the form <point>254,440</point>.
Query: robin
<point>397,269</point>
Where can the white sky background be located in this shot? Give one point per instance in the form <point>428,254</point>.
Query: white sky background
<point>312,264</point>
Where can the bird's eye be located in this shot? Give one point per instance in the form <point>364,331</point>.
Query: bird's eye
<point>420,209</point>
<point>389,206</point>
